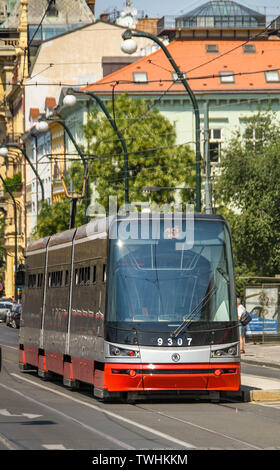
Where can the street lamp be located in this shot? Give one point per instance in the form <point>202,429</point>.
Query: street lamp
<point>70,100</point>
<point>42,126</point>
<point>4,152</point>
<point>129,46</point>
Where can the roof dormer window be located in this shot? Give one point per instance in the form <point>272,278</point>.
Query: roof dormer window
<point>249,49</point>
<point>140,77</point>
<point>226,77</point>
<point>212,49</point>
<point>272,76</point>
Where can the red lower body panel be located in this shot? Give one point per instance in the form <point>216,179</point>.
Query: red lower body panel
<point>29,355</point>
<point>141,377</point>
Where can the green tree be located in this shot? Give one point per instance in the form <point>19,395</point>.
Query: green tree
<point>154,159</point>
<point>54,218</point>
<point>249,194</point>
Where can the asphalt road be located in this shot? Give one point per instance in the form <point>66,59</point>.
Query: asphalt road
<point>44,415</point>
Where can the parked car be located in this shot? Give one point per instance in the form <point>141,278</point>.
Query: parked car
<point>15,316</point>
<point>5,307</point>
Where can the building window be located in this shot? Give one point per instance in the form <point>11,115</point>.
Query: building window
<point>255,137</point>
<point>52,9</point>
<point>272,76</point>
<point>215,138</point>
<point>140,77</point>
<point>226,77</point>
<point>249,49</point>
<point>212,48</point>
<point>216,134</point>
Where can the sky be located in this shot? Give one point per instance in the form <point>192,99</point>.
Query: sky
<point>158,8</point>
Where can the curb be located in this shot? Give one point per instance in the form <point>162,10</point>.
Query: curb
<point>263,395</point>
<point>260,362</point>
<point>246,395</point>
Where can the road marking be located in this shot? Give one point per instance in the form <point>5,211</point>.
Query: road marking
<point>271,404</point>
<point>25,415</point>
<point>148,429</point>
<point>7,443</point>
<point>67,417</point>
<point>11,347</point>
<point>54,447</point>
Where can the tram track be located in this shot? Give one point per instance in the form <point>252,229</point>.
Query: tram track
<point>202,428</point>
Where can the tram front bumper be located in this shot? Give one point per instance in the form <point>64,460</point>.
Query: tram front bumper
<point>148,377</point>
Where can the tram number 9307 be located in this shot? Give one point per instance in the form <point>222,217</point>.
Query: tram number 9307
<point>175,342</point>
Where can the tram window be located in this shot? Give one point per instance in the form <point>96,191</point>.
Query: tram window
<point>55,279</point>
<point>87,275</point>
<point>104,276</point>
<point>94,275</point>
<point>81,276</point>
<point>32,281</point>
<point>40,280</point>
<point>66,282</point>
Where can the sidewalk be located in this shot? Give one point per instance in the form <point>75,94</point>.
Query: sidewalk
<point>254,388</point>
<point>262,354</point>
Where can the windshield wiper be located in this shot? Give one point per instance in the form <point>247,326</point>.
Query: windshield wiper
<point>194,313</point>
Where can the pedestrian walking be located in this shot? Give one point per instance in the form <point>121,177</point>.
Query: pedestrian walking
<point>240,310</point>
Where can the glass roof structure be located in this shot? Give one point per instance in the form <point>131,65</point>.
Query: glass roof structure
<point>221,14</point>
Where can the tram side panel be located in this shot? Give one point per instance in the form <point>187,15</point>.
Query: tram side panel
<point>88,308</point>
<point>33,300</point>
<point>57,305</point>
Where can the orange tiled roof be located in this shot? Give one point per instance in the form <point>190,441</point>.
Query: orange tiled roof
<point>202,68</point>
<point>34,113</point>
<point>50,102</point>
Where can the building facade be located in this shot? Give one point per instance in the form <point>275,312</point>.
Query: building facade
<point>18,48</point>
<point>232,78</point>
<point>69,60</point>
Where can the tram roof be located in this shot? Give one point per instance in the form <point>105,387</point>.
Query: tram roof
<point>102,225</point>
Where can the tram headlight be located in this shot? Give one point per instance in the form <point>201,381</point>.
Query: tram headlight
<point>116,351</point>
<point>223,352</point>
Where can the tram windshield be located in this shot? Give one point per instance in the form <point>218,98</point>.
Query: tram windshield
<point>166,279</point>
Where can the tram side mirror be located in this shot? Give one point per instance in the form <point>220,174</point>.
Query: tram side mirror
<point>20,278</point>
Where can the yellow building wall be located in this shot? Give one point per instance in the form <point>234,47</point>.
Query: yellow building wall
<point>14,96</point>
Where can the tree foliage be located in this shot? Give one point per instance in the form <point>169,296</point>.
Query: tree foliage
<point>154,159</point>
<point>249,191</point>
<point>54,218</point>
